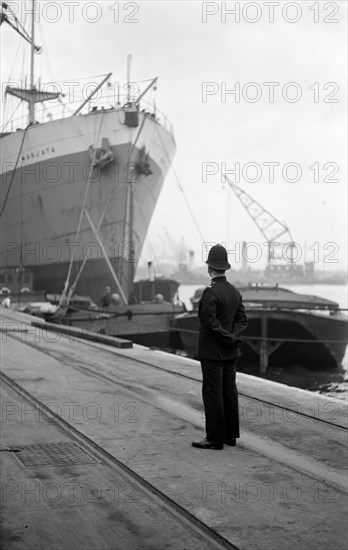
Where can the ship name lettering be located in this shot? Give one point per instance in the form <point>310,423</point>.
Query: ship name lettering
<point>39,153</point>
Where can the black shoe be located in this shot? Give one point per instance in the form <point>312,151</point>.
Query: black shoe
<point>231,442</point>
<point>205,444</point>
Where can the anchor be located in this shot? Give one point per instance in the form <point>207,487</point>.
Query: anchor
<point>102,157</point>
<point>142,165</point>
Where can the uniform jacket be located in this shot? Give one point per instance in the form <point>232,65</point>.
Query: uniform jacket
<point>222,318</point>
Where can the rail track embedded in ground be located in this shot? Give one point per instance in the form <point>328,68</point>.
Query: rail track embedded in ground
<point>186,376</point>
<point>215,540</point>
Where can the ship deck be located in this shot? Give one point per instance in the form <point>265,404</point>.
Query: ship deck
<point>97,453</point>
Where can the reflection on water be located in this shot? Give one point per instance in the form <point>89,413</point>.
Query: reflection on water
<point>332,382</point>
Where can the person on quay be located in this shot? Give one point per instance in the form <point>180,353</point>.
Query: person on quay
<point>222,318</point>
<point>106,298</point>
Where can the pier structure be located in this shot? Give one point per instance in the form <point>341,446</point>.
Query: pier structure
<point>96,453</point>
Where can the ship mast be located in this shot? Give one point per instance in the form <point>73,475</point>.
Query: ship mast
<point>30,95</point>
<point>32,51</point>
<point>131,244</point>
<point>130,191</point>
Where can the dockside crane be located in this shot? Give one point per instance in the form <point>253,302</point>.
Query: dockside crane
<point>271,228</point>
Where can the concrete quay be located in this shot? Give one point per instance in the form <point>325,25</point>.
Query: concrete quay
<point>115,426</point>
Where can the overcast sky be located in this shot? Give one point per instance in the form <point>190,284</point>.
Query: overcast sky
<point>200,51</point>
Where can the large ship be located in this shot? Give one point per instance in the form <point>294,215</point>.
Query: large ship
<point>78,191</point>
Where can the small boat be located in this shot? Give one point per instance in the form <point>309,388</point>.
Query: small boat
<point>285,328</point>
<point>145,323</point>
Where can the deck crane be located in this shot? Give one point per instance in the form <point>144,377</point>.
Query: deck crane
<point>7,16</point>
<point>271,228</point>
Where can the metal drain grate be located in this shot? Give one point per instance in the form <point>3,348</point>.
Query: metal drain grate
<point>53,454</point>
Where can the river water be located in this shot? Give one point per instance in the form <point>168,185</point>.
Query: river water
<point>333,383</point>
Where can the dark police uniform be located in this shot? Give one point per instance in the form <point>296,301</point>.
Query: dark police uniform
<point>222,318</point>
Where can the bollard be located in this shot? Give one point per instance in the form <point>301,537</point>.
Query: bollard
<point>264,345</point>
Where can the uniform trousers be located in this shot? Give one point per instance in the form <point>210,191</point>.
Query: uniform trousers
<point>220,399</point>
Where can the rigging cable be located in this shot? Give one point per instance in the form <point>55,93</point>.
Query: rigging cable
<point>126,165</point>
<point>14,112</point>
<point>128,198</point>
<point>14,171</point>
<point>107,203</point>
<point>148,238</point>
<point>181,189</point>
<point>66,285</point>
<point>83,209</point>
<point>9,80</point>
<point>45,58</point>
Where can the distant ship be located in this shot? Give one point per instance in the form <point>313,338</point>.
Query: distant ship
<point>78,192</point>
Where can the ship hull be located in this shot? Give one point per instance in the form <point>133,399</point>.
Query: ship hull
<point>60,210</point>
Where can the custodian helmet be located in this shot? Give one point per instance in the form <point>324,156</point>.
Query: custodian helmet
<point>217,258</point>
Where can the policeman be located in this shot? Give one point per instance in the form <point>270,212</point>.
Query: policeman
<point>222,319</point>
